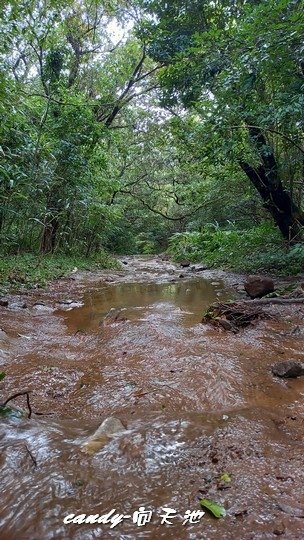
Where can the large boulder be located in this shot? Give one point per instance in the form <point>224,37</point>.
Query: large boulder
<point>258,286</point>
<point>289,369</point>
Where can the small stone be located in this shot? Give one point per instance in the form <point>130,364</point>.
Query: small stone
<point>279,528</point>
<point>225,324</point>
<point>241,512</point>
<point>70,304</point>
<point>3,334</point>
<point>185,264</point>
<point>109,427</point>
<point>288,369</point>
<point>19,305</point>
<point>3,302</point>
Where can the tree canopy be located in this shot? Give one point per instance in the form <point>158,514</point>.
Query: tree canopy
<point>126,122</point>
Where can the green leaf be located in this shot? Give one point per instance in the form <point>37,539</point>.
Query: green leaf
<point>215,509</point>
<point>225,478</point>
<point>2,375</point>
<point>12,413</point>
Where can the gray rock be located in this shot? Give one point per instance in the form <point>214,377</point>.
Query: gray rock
<point>258,286</point>
<point>289,369</point>
<point>70,304</point>
<point>3,334</point>
<point>225,324</point>
<point>19,305</point>
<point>185,264</point>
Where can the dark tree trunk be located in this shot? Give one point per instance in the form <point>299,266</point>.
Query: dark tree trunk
<point>265,177</point>
<point>49,235</point>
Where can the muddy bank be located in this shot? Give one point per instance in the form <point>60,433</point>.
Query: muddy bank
<point>196,402</point>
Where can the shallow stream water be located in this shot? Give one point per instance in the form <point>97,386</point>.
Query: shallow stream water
<point>196,403</point>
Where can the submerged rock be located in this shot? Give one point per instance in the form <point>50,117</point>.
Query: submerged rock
<point>288,369</point>
<point>258,286</point>
<point>19,305</point>
<point>109,427</point>
<point>115,315</point>
<point>3,334</point>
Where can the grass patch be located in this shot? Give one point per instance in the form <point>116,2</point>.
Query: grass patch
<point>28,270</point>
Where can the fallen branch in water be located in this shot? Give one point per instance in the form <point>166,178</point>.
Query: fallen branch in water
<point>27,394</point>
<point>31,456</point>
<point>233,316</point>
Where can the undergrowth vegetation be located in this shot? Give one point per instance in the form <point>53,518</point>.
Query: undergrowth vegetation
<point>28,270</point>
<point>258,249</point>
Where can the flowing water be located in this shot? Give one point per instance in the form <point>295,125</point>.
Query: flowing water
<point>196,403</point>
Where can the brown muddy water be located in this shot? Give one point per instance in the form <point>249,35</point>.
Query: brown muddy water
<point>196,403</point>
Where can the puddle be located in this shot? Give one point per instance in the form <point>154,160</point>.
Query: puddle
<point>184,300</point>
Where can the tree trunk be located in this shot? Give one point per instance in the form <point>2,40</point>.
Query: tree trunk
<point>265,177</point>
<point>49,235</point>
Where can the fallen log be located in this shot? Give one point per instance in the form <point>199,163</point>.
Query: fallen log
<point>266,301</point>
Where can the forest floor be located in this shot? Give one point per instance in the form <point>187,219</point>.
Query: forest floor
<point>198,403</point>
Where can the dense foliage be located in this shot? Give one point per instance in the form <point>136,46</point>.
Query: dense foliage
<point>125,124</point>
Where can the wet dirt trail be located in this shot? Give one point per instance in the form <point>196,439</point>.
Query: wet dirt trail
<point>196,403</point>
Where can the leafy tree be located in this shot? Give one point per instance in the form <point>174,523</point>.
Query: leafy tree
<point>239,66</point>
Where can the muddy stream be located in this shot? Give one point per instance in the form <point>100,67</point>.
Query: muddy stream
<point>196,402</point>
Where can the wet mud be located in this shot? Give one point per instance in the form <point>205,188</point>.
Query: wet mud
<point>196,402</point>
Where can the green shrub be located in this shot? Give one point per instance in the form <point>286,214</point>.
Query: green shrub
<point>258,249</point>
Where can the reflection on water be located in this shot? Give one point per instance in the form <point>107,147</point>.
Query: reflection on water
<point>188,299</point>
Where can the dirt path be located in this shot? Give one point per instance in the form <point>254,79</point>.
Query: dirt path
<point>196,403</point>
